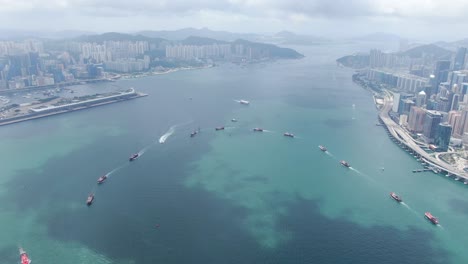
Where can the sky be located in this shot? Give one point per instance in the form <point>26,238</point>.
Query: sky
<point>414,19</point>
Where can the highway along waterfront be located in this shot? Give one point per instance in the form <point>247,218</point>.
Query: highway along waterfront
<point>396,132</point>
<point>228,196</point>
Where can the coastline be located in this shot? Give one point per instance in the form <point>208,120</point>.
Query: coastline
<point>405,141</point>
<point>32,117</point>
<point>172,70</point>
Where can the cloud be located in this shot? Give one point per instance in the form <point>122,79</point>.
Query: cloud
<point>307,16</point>
<point>309,8</point>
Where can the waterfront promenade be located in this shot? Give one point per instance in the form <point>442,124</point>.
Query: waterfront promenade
<point>399,134</point>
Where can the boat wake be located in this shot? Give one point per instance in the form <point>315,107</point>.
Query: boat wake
<point>329,154</point>
<point>409,208</point>
<point>116,169</point>
<point>171,131</point>
<point>164,137</point>
<point>362,174</point>
<point>268,131</point>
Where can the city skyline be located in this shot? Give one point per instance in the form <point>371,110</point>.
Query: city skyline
<point>409,19</point>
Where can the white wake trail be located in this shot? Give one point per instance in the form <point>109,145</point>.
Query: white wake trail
<point>171,131</point>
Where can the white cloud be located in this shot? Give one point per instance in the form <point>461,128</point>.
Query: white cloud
<point>240,15</point>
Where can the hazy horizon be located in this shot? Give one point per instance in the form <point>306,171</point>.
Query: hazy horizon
<point>338,19</point>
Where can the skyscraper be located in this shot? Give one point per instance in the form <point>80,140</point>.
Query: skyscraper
<point>421,99</point>
<point>462,126</point>
<point>442,139</point>
<point>431,122</point>
<point>441,72</point>
<point>416,119</point>
<point>459,61</point>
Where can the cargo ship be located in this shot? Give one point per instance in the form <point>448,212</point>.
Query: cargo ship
<point>24,256</point>
<point>287,134</point>
<point>344,163</point>
<point>431,218</point>
<point>396,197</point>
<point>90,199</point>
<point>257,129</point>
<point>134,157</point>
<point>102,179</point>
<point>322,148</point>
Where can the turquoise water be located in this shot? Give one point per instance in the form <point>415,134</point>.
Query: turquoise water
<point>231,196</point>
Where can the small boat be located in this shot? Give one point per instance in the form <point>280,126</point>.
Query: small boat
<point>287,134</point>
<point>257,129</point>
<point>396,197</point>
<point>194,133</point>
<point>344,163</point>
<point>24,256</point>
<point>90,199</point>
<point>219,128</point>
<point>244,102</point>
<point>102,179</point>
<point>322,148</point>
<point>134,157</point>
<point>431,218</point>
<point>234,120</point>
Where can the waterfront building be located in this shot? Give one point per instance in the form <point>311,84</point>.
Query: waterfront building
<point>405,106</point>
<point>462,126</point>
<point>431,122</point>
<point>421,99</point>
<point>453,118</point>
<point>442,139</point>
<point>416,119</point>
<point>396,102</point>
<point>403,120</point>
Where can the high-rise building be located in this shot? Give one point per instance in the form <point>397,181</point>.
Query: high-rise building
<point>441,72</point>
<point>455,102</point>
<point>405,106</point>
<point>442,139</point>
<point>459,61</point>
<point>416,119</point>
<point>453,119</point>
<point>421,99</point>
<point>431,122</point>
<point>462,126</point>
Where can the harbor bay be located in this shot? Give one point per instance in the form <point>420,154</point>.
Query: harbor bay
<point>228,196</point>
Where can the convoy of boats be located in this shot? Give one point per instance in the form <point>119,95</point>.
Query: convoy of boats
<point>393,195</point>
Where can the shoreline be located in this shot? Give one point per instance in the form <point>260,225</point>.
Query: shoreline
<point>155,73</point>
<point>402,139</point>
<point>32,117</point>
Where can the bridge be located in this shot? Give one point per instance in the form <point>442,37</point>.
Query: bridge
<point>407,142</point>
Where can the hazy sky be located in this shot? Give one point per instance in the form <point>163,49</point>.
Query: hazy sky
<point>437,19</point>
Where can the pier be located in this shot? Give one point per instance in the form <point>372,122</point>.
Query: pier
<point>401,137</point>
